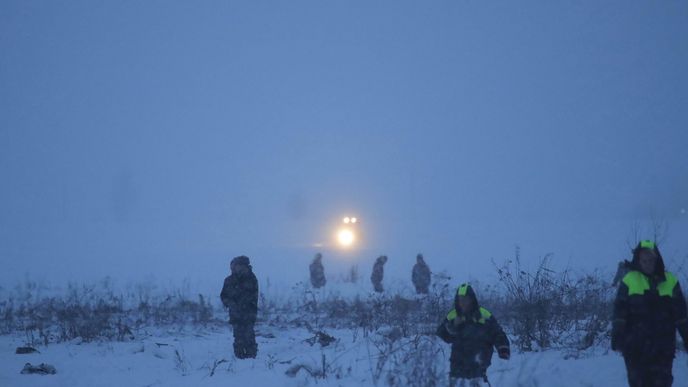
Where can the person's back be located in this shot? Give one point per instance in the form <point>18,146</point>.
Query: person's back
<point>378,273</point>
<point>317,272</point>
<point>420,275</point>
<point>240,295</point>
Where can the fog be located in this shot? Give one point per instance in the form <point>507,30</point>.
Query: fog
<point>159,140</point>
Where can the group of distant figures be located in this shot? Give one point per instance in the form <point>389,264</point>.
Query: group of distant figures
<point>420,275</point>
<point>649,309</point>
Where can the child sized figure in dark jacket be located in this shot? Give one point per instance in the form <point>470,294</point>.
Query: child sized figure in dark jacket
<point>473,333</point>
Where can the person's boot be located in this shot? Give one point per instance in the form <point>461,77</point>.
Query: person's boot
<point>238,351</point>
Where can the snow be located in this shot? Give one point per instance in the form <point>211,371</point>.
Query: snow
<point>186,357</point>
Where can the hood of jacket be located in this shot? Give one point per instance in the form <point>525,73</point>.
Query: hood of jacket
<point>466,290</point>
<point>659,267</point>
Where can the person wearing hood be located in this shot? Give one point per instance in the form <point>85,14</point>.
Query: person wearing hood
<point>421,275</point>
<point>317,272</point>
<point>378,273</point>
<point>240,295</point>
<point>474,333</point>
<point>648,310</point>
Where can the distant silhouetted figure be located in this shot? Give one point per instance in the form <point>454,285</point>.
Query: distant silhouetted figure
<point>378,273</point>
<point>317,272</point>
<point>421,275</point>
<point>240,295</point>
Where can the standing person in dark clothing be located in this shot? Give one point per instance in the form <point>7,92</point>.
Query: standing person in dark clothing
<point>421,275</point>
<point>648,310</point>
<point>240,295</point>
<point>473,333</point>
<point>317,272</point>
<point>378,273</point>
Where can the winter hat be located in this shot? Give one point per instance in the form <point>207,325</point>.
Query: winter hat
<point>465,290</point>
<point>240,260</point>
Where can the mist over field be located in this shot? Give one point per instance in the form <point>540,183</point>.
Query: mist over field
<point>143,146</point>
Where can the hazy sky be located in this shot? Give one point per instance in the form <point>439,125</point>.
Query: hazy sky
<point>166,137</point>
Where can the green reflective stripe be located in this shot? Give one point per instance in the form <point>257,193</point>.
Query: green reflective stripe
<point>463,289</point>
<point>646,244</point>
<point>484,315</point>
<point>637,282</point>
<point>666,288</point>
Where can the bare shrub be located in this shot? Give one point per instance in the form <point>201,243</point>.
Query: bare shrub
<point>545,308</point>
<point>94,312</point>
<point>419,364</point>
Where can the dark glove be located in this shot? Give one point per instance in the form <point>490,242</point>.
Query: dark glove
<point>504,353</point>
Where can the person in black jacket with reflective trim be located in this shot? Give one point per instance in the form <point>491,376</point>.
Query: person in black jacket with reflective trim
<point>240,295</point>
<point>648,310</point>
<point>473,332</point>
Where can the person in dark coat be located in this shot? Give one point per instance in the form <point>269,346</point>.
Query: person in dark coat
<point>421,275</point>
<point>648,310</point>
<point>378,273</point>
<point>240,295</point>
<point>473,332</point>
<point>317,272</point>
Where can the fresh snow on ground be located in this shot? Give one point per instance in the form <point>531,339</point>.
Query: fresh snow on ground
<point>187,357</point>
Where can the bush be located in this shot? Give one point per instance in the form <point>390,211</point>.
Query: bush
<point>94,312</point>
<point>546,308</point>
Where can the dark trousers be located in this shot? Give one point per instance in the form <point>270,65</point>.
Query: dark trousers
<point>654,372</point>
<point>456,371</point>
<point>244,340</point>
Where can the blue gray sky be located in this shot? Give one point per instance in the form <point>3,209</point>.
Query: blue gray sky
<point>164,137</point>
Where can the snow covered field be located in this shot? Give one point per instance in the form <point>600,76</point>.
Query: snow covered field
<point>204,357</point>
<point>178,338</point>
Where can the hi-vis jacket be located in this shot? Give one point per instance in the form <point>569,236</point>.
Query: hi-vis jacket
<point>648,311</point>
<point>473,337</point>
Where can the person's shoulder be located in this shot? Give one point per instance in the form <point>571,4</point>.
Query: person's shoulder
<point>670,276</point>
<point>484,313</point>
<point>632,276</point>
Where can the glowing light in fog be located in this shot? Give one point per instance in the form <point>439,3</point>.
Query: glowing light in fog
<point>346,220</point>
<point>354,220</point>
<point>345,238</point>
